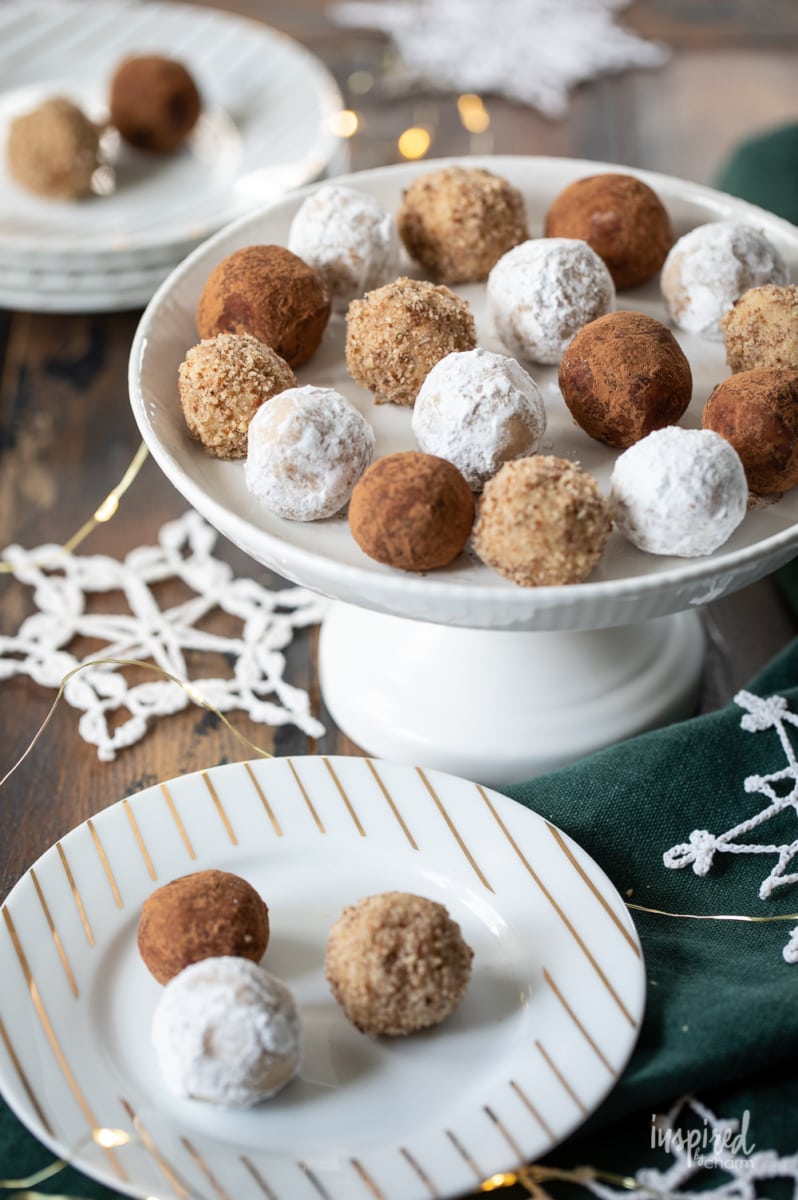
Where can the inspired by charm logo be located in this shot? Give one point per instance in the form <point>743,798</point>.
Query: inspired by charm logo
<point>723,1145</point>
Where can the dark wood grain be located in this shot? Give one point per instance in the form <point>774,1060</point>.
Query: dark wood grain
<point>66,432</point>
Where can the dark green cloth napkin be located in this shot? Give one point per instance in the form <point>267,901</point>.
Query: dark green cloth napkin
<point>764,170</point>
<point>721,1019</point>
<point>722,1011</point>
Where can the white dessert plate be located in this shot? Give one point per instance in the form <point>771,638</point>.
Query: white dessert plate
<point>627,586</point>
<point>75,290</point>
<point>549,1020</point>
<point>266,126</point>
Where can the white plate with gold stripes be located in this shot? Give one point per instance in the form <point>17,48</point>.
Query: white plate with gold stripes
<point>550,1018</point>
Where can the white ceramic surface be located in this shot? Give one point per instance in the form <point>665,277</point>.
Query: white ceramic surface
<point>266,127</point>
<point>502,706</point>
<point>75,290</point>
<point>628,585</point>
<point>551,1015</point>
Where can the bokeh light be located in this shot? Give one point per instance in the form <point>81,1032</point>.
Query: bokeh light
<point>414,142</point>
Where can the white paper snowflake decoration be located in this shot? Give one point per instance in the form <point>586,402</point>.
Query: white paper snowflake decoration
<point>532,51</point>
<point>699,851</point>
<point>63,583</point>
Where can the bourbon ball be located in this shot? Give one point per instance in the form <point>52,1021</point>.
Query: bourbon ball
<point>710,268</point>
<point>349,238</point>
<point>307,449</point>
<point>762,328</point>
<point>479,410</point>
<point>678,491</point>
<point>757,411</point>
<point>222,382</point>
<point>541,292</point>
<point>542,522</point>
<point>624,375</point>
<point>397,963</point>
<point>458,222</point>
<point>154,102</point>
<point>271,293</point>
<point>396,334</point>
<point>411,510</point>
<point>622,218</point>
<point>204,915</point>
<point>226,1032</point>
<point>53,150</point>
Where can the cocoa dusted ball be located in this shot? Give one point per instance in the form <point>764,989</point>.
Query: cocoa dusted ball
<point>622,218</point>
<point>411,510</point>
<point>757,411</point>
<point>458,222</point>
<point>542,522</point>
<point>396,334</point>
<point>397,963</point>
<point>222,383</point>
<point>624,375</point>
<point>209,914</point>
<point>269,292</point>
<point>154,102</point>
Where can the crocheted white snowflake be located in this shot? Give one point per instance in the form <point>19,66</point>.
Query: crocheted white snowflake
<point>63,583</point>
<point>768,713</point>
<point>533,51</point>
<point>722,1152</point>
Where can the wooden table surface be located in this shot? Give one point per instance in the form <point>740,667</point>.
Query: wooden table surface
<point>67,435</point>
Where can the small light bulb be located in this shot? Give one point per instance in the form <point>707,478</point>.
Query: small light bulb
<point>345,123</point>
<point>414,142</point>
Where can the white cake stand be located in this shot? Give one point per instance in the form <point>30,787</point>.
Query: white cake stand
<point>459,669</point>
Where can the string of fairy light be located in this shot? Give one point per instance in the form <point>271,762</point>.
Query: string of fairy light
<point>415,141</point>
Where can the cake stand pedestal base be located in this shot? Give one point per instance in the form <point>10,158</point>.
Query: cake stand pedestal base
<point>499,706</point>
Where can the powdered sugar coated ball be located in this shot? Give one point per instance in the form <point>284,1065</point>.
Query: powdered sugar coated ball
<point>349,238</point>
<point>709,268</point>
<point>542,292</point>
<point>227,1032</point>
<point>307,448</point>
<point>479,410</point>
<point>678,491</point>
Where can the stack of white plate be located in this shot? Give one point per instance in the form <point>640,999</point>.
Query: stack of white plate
<point>269,109</point>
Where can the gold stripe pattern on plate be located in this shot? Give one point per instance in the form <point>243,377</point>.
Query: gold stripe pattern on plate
<point>369,1182</point>
<point>309,1175</point>
<point>23,1079</point>
<point>391,803</point>
<point>344,797</point>
<point>422,1174</point>
<point>590,1041</point>
<point>139,840</point>
<point>508,1137</point>
<point>95,837</point>
<point>306,797</point>
<point>262,795</point>
<point>453,829</point>
<point>259,1180</point>
<point>168,1173</point>
<point>75,893</point>
<point>556,1071</point>
<point>555,833</point>
<point>532,1109</point>
<point>574,932</point>
<point>175,815</point>
<point>206,779</point>
<point>461,1150</point>
<point>54,934</point>
<point>50,1034</point>
<point>206,1171</point>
